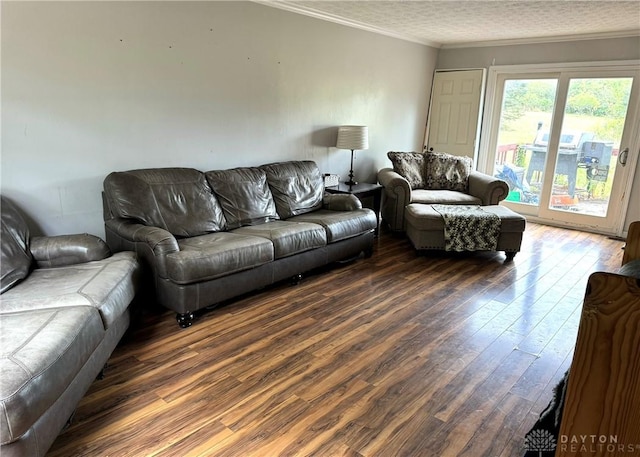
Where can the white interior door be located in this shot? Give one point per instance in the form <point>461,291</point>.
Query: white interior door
<point>454,114</point>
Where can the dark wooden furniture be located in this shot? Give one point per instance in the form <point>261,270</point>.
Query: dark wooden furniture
<point>602,403</point>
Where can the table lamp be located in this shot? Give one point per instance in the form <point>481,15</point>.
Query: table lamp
<point>352,137</point>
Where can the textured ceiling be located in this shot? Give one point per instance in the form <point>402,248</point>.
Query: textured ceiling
<point>477,22</point>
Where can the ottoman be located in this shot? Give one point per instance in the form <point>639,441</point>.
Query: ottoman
<point>425,228</point>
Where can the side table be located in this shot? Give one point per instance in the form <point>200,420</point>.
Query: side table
<point>361,190</point>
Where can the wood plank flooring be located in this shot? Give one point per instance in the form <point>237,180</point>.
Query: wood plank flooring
<point>396,355</point>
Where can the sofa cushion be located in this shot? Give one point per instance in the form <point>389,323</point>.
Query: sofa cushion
<point>296,186</point>
<point>178,200</point>
<point>448,172</point>
<point>341,225</point>
<point>411,166</point>
<point>107,285</point>
<point>244,196</point>
<point>39,358</point>
<point>16,259</point>
<point>288,237</point>
<point>443,197</point>
<point>214,255</point>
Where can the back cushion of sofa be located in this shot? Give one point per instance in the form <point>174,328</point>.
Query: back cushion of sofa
<point>296,186</point>
<point>244,196</point>
<point>178,200</point>
<point>16,259</point>
<point>411,166</point>
<point>447,172</point>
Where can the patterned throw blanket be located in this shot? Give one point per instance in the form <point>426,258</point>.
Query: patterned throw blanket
<point>469,228</point>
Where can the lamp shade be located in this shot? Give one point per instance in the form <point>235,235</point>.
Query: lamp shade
<point>353,137</point>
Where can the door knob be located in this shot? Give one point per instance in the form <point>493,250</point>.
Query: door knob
<point>622,157</point>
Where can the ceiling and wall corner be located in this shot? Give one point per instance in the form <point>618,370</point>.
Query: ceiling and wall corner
<point>468,23</point>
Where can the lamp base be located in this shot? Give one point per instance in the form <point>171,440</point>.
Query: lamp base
<point>351,182</point>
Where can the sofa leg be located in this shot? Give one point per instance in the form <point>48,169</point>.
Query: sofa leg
<point>296,279</point>
<point>510,256</point>
<point>185,320</point>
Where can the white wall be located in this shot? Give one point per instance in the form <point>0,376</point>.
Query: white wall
<point>557,52</point>
<point>89,88</point>
<point>561,52</point>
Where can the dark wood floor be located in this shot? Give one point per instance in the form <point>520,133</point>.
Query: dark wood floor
<point>395,355</point>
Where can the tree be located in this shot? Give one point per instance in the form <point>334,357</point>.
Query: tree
<point>521,96</point>
<point>602,97</point>
<point>512,106</point>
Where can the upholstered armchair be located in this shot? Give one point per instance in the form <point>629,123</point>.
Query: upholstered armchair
<point>430,178</point>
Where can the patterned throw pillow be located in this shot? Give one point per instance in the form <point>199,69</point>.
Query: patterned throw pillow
<point>411,166</point>
<point>448,172</point>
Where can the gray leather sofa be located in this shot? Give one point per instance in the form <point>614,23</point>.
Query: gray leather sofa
<point>433,178</point>
<point>64,307</point>
<point>207,237</point>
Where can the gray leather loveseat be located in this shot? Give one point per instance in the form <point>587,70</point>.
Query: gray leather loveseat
<point>205,237</point>
<point>64,307</point>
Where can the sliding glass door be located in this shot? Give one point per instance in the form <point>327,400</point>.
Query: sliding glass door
<point>565,142</point>
<point>522,144</point>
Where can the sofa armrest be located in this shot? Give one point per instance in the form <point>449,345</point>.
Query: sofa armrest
<point>487,188</point>
<point>161,241</point>
<point>62,250</point>
<point>395,185</point>
<point>395,197</point>
<point>341,202</point>
<point>151,244</point>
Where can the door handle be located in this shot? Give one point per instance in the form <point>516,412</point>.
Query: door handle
<point>622,157</point>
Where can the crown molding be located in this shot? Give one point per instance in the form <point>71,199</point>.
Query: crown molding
<point>307,11</point>
<point>284,5</point>
<point>549,39</point>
